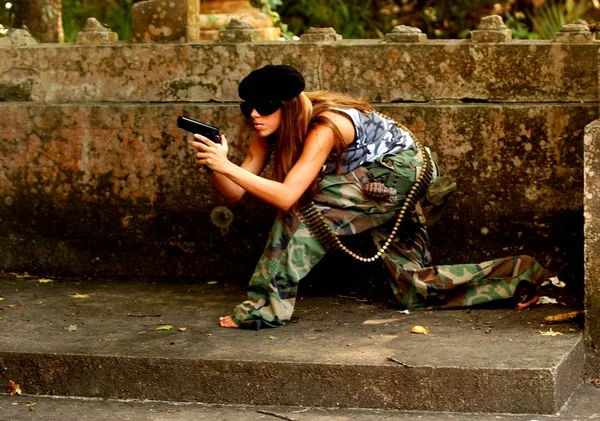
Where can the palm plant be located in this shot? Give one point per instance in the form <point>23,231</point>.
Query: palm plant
<point>553,15</point>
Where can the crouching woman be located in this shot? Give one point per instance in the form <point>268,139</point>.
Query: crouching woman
<point>342,169</point>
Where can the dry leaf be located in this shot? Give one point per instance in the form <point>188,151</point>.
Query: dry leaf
<point>420,329</point>
<point>13,388</point>
<point>562,317</point>
<point>1,299</point>
<point>79,295</point>
<point>546,300</point>
<point>45,281</point>
<point>164,327</point>
<point>554,281</point>
<point>212,282</point>
<point>182,329</point>
<point>550,333</point>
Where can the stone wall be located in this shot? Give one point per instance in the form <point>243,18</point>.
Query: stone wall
<point>96,179</point>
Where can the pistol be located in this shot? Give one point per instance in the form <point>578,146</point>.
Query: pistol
<point>193,126</point>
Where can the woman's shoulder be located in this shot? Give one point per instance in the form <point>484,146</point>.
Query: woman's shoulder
<point>343,122</point>
<point>339,117</point>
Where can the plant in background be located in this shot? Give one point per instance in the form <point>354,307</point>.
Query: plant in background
<point>553,15</point>
<point>268,7</point>
<point>116,14</point>
<point>7,15</point>
<point>517,24</point>
<point>350,18</point>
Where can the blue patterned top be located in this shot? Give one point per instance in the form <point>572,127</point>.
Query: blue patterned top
<point>374,136</point>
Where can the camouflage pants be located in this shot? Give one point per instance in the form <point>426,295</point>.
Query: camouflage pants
<point>367,199</point>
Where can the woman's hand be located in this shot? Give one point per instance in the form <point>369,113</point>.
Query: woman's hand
<point>211,154</point>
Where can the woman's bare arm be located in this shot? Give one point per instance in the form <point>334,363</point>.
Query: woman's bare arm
<point>283,195</point>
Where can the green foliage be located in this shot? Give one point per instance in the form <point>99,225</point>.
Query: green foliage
<point>7,14</point>
<point>116,14</point>
<point>350,18</point>
<point>517,24</point>
<point>553,15</point>
<point>449,19</point>
<point>268,7</point>
<point>375,18</point>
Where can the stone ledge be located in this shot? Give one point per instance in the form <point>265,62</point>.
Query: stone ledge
<point>115,351</point>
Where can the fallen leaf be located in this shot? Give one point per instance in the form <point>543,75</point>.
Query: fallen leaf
<point>420,330</point>
<point>211,282</point>
<point>550,333</point>
<point>71,328</point>
<point>13,388</point>
<point>562,317</point>
<point>381,321</point>
<point>45,281</point>
<point>182,329</point>
<point>164,327</point>
<point>546,300</point>
<point>555,281</point>
<point>208,334</point>
<point>1,299</point>
<point>272,338</point>
<point>30,405</point>
<point>79,295</point>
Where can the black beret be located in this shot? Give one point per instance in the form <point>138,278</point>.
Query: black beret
<point>272,82</point>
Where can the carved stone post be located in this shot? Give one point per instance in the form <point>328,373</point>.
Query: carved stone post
<point>320,35</point>
<point>403,33</point>
<point>491,29</point>
<point>167,21</point>
<point>574,32</point>
<point>216,15</point>
<point>96,33</point>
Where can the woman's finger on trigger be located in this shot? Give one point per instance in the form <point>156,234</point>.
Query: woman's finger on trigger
<point>201,138</point>
<point>197,145</point>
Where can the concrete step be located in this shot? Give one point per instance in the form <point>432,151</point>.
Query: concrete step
<point>583,405</point>
<point>339,352</point>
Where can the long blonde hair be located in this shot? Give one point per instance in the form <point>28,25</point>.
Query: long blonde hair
<point>299,114</point>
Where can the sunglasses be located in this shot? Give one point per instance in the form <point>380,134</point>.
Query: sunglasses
<point>264,108</point>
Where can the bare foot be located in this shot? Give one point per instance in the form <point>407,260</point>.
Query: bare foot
<point>527,303</point>
<point>227,321</point>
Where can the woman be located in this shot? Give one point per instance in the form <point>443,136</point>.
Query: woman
<point>341,169</point>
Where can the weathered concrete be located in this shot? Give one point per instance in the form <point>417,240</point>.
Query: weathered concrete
<point>91,187</point>
<point>592,243</point>
<point>519,71</point>
<point>334,354</point>
<point>583,405</point>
